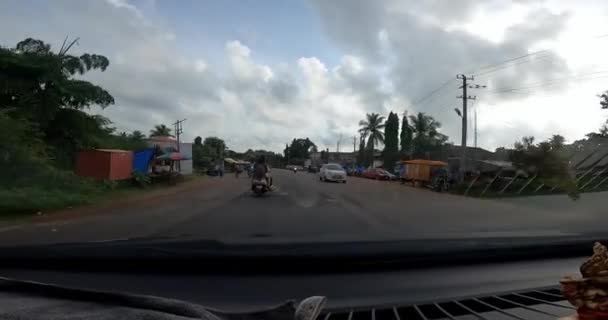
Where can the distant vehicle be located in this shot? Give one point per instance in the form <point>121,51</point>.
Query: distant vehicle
<point>377,174</point>
<point>313,169</point>
<point>390,175</point>
<point>332,172</point>
<point>259,187</point>
<point>430,173</point>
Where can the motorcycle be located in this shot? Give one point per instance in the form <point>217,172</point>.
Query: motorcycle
<point>295,170</point>
<point>259,187</point>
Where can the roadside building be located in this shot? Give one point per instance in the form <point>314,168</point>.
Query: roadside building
<point>184,166</point>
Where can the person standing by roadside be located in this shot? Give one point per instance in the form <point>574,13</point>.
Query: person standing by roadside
<point>220,166</point>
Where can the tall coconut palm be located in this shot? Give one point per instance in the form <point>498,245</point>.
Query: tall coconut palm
<point>426,133</point>
<point>160,130</point>
<point>371,128</point>
<point>137,135</point>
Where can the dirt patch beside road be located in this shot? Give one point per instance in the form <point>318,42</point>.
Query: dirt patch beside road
<point>118,199</point>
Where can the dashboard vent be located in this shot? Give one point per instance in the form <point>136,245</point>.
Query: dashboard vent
<point>544,303</point>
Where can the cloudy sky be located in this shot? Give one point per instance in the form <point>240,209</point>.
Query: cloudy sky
<point>259,73</point>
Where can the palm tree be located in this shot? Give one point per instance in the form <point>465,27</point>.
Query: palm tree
<point>426,133</point>
<point>371,128</point>
<point>160,130</point>
<point>137,135</point>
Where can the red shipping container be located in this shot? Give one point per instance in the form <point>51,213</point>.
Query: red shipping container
<point>111,164</point>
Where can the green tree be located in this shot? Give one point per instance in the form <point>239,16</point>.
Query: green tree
<point>427,139</point>
<point>604,100</point>
<point>390,154</point>
<point>300,150</point>
<point>204,152</point>
<point>39,86</point>
<point>137,135</point>
<point>405,137</point>
<point>160,130</point>
<point>371,128</point>
<point>547,162</point>
<point>557,142</point>
<point>286,153</point>
<point>361,153</point>
<point>37,82</point>
<point>214,147</point>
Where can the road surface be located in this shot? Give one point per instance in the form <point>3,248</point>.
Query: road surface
<point>305,209</point>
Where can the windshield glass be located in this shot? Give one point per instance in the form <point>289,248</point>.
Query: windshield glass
<point>141,119</point>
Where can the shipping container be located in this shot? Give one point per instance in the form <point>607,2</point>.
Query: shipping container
<point>420,169</point>
<point>110,164</point>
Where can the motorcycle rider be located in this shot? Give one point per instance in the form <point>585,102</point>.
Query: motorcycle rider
<point>261,171</point>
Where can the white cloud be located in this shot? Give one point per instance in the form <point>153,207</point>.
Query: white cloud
<point>200,65</point>
<point>392,55</point>
<point>417,45</point>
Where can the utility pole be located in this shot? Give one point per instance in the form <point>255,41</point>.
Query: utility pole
<point>354,144</point>
<point>465,98</point>
<point>475,120</point>
<point>338,144</point>
<point>178,129</point>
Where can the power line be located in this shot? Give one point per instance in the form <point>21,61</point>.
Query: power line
<point>553,81</point>
<point>431,93</point>
<point>509,60</point>
<point>524,56</point>
<point>544,57</point>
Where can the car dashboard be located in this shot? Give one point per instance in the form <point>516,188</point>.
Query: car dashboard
<point>519,290</point>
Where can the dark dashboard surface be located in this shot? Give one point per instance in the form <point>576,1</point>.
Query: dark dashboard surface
<point>247,292</point>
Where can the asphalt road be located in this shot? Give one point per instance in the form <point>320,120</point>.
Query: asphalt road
<point>305,209</point>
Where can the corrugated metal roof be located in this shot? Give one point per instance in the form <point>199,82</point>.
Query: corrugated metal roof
<point>112,150</point>
<point>426,162</point>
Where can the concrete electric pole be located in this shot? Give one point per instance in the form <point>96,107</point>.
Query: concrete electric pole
<point>178,129</point>
<point>465,98</point>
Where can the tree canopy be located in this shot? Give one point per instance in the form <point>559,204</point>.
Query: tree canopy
<point>405,137</point>
<point>390,154</point>
<point>160,130</point>
<point>299,150</point>
<point>545,160</point>
<point>39,89</point>
<point>38,82</point>
<point>372,129</point>
<point>427,140</point>
<point>206,152</point>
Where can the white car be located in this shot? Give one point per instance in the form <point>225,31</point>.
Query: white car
<point>332,172</point>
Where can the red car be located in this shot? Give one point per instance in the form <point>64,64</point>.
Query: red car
<point>375,173</point>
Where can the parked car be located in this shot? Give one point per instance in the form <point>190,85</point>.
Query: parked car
<point>391,176</point>
<point>377,174</point>
<point>313,169</point>
<point>332,172</point>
